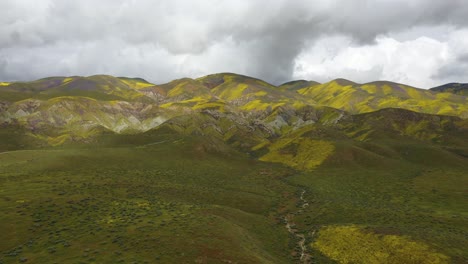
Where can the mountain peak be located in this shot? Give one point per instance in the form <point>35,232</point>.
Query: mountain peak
<point>213,80</point>
<point>137,79</point>
<point>343,82</point>
<point>296,85</point>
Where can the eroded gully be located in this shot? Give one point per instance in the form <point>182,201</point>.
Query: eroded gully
<point>305,257</point>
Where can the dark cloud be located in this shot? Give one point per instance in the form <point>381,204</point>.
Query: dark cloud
<point>453,71</point>
<point>3,65</point>
<point>163,40</point>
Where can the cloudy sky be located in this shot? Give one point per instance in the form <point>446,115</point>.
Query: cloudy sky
<point>419,42</point>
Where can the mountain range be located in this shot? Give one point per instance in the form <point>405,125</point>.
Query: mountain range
<point>56,110</point>
<point>230,168</point>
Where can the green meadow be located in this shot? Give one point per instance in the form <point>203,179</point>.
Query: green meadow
<point>175,200</point>
<point>170,202</point>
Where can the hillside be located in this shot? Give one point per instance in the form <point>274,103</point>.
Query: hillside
<point>368,97</point>
<point>75,105</point>
<point>456,88</point>
<point>99,87</point>
<point>231,169</point>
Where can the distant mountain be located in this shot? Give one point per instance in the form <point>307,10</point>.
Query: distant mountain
<point>368,97</point>
<point>296,85</point>
<point>456,88</point>
<point>99,87</point>
<point>229,106</point>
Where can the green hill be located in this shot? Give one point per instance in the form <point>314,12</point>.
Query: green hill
<point>362,98</point>
<point>100,87</point>
<point>228,168</point>
<point>456,88</point>
<point>296,85</point>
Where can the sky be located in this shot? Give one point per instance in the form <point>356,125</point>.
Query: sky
<point>423,43</point>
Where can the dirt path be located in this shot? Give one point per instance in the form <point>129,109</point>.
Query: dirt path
<point>290,226</point>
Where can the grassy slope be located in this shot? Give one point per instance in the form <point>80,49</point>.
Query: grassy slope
<point>393,179</point>
<point>362,98</point>
<point>456,88</point>
<point>410,189</point>
<point>245,93</point>
<point>168,202</point>
<point>296,85</point>
<point>250,94</point>
<point>196,198</point>
<point>112,101</point>
<point>100,87</point>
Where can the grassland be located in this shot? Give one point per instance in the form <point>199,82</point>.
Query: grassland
<point>163,197</point>
<point>368,207</point>
<point>168,202</point>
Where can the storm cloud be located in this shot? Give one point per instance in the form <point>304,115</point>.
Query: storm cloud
<point>418,42</point>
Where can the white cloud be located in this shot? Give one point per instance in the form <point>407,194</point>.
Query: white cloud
<point>414,61</point>
<point>409,41</point>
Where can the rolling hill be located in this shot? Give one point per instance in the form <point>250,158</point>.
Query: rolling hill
<point>132,104</point>
<point>456,88</point>
<point>228,168</point>
<point>362,98</point>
